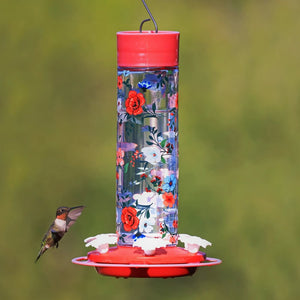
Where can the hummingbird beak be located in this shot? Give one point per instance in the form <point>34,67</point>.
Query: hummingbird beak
<point>80,206</point>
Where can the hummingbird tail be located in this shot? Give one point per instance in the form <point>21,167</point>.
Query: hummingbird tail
<point>40,253</point>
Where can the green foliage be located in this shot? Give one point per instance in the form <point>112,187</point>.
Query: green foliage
<point>239,143</point>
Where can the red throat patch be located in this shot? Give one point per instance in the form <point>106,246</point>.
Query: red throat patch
<point>62,216</point>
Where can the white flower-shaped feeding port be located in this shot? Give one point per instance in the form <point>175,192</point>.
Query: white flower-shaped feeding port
<point>193,243</point>
<point>101,241</point>
<point>149,245</point>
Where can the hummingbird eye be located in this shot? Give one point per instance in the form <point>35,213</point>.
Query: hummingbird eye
<point>59,211</point>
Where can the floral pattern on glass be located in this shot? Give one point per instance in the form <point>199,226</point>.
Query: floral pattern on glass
<point>147,155</point>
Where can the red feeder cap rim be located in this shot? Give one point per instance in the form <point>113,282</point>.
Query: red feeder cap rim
<point>148,48</point>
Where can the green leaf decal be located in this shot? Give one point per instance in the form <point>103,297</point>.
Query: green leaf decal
<point>163,143</point>
<point>126,168</point>
<point>147,214</point>
<point>154,107</point>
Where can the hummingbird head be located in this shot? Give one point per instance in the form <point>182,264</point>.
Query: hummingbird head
<point>62,212</point>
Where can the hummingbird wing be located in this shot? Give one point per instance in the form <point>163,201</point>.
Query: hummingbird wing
<point>73,214</point>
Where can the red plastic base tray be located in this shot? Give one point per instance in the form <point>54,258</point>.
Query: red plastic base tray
<point>131,262</point>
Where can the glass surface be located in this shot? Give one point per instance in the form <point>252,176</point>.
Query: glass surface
<point>147,154</point>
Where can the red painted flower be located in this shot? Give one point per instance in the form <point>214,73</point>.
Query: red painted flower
<point>129,218</point>
<point>134,103</point>
<point>120,155</point>
<point>156,180</point>
<point>173,100</point>
<point>173,239</point>
<point>120,82</point>
<point>169,147</point>
<point>175,224</point>
<point>168,199</point>
<point>159,191</point>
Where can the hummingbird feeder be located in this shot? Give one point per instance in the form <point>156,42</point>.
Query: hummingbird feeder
<point>146,240</point>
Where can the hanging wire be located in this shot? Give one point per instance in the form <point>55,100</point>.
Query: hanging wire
<point>151,16</point>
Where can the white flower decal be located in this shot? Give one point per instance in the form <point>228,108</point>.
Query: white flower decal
<point>149,198</point>
<point>152,154</point>
<point>144,198</point>
<point>146,225</point>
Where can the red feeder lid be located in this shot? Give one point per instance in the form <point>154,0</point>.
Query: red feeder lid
<point>148,48</point>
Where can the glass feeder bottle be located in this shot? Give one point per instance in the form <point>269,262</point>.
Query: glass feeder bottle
<point>147,136</point>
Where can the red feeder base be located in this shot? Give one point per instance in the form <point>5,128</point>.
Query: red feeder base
<point>132,262</point>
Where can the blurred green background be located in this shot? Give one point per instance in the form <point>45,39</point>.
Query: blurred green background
<point>239,143</point>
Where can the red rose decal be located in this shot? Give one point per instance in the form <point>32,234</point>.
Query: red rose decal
<point>134,103</point>
<point>129,218</point>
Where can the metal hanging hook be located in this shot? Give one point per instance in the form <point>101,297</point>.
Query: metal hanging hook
<point>151,16</point>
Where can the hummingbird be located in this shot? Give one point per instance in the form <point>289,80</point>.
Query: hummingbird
<point>65,218</point>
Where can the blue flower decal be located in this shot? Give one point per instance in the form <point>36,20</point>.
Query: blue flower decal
<point>124,196</point>
<point>137,236</point>
<point>170,183</point>
<point>144,85</point>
